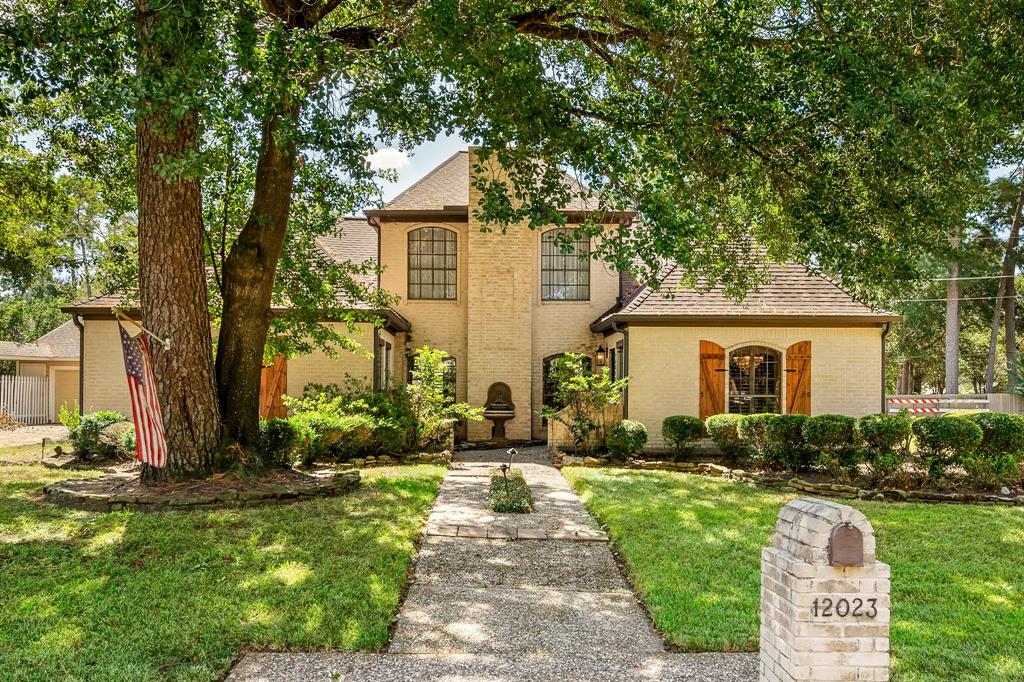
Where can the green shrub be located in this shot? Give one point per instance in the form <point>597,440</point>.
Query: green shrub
<point>278,440</point>
<point>626,438</point>
<point>785,438</point>
<point>69,416</point>
<point>998,458</point>
<point>886,441</point>
<point>942,440</point>
<point>681,433</point>
<point>87,438</point>
<point>832,438</point>
<point>723,429</point>
<point>329,436</point>
<point>752,430</point>
<point>510,494</point>
<point>126,443</point>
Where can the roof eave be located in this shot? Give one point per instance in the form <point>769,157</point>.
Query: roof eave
<point>870,320</point>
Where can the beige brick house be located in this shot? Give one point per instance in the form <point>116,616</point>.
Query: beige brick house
<point>504,304</point>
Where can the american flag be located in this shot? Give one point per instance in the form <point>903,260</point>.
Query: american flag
<point>150,441</point>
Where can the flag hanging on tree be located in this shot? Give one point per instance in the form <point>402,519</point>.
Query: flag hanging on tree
<point>150,442</point>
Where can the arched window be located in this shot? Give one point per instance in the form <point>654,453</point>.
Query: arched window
<point>755,380</point>
<point>432,264</point>
<point>564,275</point>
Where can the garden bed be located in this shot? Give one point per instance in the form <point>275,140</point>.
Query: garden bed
<point>509,493</point>
<point>822,487</point>
<point>124,491</point>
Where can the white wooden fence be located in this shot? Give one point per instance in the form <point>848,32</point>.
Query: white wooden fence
<point>939,403</point>
<point>26,398</point>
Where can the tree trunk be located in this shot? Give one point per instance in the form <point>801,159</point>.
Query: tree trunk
<point>249,279</point>
<point>1004,291</point>
<point>172,280</point>
<point>952,383</point>
<point>1010,322</point>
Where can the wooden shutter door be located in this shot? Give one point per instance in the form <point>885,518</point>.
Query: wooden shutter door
<point>273,382</point>
<point>712,379</point>
<point>798,378</point>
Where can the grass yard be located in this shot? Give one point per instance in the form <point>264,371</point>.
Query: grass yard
<point>26,454</point>
<point>130,596</point>
<point>692,547</point>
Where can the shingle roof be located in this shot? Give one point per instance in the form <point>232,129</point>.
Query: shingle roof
<point>793,291</point>
<point>355,241</point>
<point>61,343</point>
<point>446,187</point>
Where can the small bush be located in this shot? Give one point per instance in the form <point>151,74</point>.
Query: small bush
<point>126,443</point>
<point>511,495</point>
<point>752,430</point>
<point>278,440</point>
<point>626,438</point>
<point>723,429</point>
<point>998,458</point>
<point>886,441</point>
<point>681,433</point>
<point>69,416</point>
<point>832,438</point>
<point>87,437</point>
<point>942,440</point>
<point>784,434</point>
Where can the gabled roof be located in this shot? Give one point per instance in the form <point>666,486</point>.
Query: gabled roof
<point>793,293</point>
<point>62,343</point>
<point>446,189</point>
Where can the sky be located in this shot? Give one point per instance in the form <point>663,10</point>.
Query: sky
<point>417,163</point>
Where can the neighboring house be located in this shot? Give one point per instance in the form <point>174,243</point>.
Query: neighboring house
<point>53,359</point>
<point>505,304</point>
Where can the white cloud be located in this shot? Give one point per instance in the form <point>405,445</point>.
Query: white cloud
<point>388,158</point>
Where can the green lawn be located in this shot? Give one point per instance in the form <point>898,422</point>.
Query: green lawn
<point>692,547</point>
<point>130,596</point>
<point>26,454</point>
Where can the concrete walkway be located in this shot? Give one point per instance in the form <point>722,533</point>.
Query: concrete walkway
<point>512,597</point>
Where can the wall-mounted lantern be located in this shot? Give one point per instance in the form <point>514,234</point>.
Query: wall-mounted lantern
<point>602,356</point>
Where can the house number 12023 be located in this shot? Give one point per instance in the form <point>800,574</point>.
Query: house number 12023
<point>845,608</point>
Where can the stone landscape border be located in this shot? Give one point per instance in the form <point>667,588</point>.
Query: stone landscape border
<point>100,494</point>
<point>776,481</point>
<point>443,458</point>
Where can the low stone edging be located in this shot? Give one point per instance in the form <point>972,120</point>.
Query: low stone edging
<point>443,458</point>
<point>776,481</point>
<point>103,494</point>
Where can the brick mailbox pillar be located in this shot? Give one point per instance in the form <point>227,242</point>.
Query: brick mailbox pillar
<point>824,597</point>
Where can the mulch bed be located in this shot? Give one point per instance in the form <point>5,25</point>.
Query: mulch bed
<point>124,491</point>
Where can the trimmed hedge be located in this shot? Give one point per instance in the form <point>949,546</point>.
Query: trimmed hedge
<point>784,433</point>
<point>723,429</point>
<point>681,433</point>
<point>831,436</point>
<point>998,458</point>
<point>886,442</point>
<point>626,438</point>
<point>278,439</point>
<point>941,440</point>
<point>753,431</point>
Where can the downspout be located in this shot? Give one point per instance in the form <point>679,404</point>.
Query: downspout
<point>81,364</point>
<point>376,358</point>
<point>625,366</point>
<point>885,333</point>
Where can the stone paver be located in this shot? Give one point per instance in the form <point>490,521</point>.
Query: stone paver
<point>512,597</point>
<point>279,667</point>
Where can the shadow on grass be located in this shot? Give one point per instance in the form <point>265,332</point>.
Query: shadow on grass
<point>177,595</point>
<point>692,546</point>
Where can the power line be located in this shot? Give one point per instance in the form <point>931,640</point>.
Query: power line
<point>960,279</point>
<point>965,298</point>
